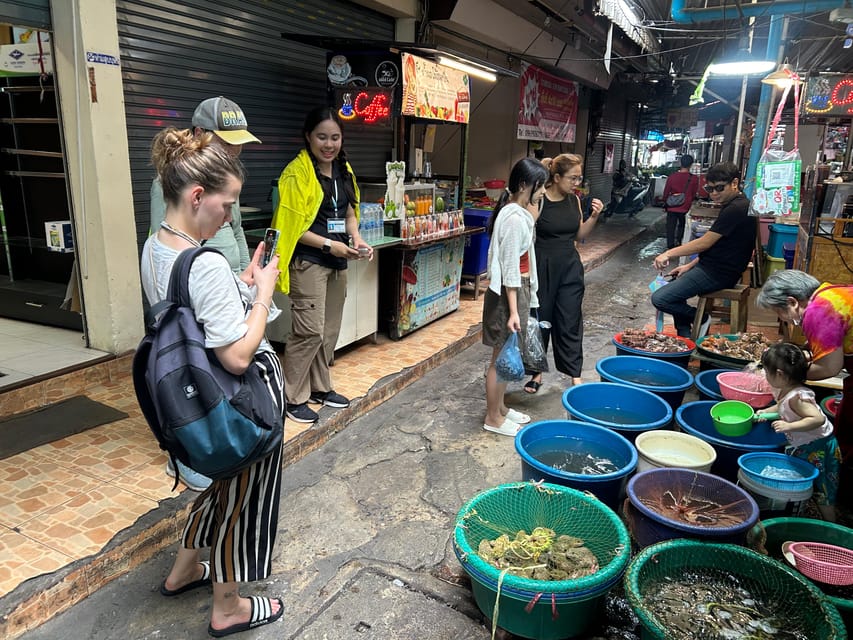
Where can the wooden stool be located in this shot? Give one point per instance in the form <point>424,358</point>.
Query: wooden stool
<point>738,299</point>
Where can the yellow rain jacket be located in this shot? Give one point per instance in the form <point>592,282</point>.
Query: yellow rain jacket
<point>299,198</point>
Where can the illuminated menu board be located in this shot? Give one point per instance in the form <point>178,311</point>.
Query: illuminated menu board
<point>830,94</point>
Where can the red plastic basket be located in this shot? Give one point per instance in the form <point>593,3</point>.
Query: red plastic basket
<point>827,563</point>
<point>747,387</point>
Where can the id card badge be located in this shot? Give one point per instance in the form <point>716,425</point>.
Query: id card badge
<point>336,225</point>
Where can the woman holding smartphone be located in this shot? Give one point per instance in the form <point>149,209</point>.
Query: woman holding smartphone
<point>317,215</point>
<point>237,517</point>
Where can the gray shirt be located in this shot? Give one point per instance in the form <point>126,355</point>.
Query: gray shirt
<point>230,239</point>
<point>220,300</point>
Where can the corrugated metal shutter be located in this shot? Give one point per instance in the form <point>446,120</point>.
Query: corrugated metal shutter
<point>616,127</point>
<point>26,13</point>
<point>175,54</point>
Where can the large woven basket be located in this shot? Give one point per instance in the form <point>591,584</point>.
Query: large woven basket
<point>533,608</point>
<point>799,604</point>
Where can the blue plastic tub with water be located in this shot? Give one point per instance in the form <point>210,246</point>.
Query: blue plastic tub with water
<point>800,473</point>
<point>583,443</point>
<point>625,409</point>
<point>664,379</point>
<point>707,385</point>
<point>695,418</point>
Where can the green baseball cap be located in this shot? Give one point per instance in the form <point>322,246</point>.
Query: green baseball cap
<point>225,118</point>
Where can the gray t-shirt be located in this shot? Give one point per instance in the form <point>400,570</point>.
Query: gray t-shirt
<point>230,239</point>
<point>219,298</point>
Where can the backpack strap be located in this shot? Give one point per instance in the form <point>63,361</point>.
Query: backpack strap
<point>179,280</point>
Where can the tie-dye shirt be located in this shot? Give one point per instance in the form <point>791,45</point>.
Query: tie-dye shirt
<point>828,320</point>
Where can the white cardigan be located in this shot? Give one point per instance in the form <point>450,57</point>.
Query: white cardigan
<point>513,234</point>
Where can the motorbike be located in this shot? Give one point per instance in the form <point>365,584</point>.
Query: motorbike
<point>629,199</point>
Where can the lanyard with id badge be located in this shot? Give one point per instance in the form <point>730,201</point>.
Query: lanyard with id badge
<point>336,224</point>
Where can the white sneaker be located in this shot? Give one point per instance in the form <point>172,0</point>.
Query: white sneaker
<point>192,480</point>
<point>703,328</point>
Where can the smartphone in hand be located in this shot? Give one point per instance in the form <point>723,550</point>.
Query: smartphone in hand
<point>270,244</point>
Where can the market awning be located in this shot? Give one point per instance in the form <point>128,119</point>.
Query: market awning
<point>430,52</point>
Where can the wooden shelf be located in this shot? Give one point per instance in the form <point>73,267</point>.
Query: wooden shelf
<point>32,152</point>
<point>26,89</point>
<point>35,174</point>
<point>29,120</point>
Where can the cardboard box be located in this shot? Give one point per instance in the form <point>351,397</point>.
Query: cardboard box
<point>58,236</point>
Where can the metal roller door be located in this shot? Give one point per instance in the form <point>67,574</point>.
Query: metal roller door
<point>175,54</point>
<point>616,127</point>
<point>26,13</point>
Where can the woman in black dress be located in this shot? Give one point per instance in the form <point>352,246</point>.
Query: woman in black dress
<point>560,270</point>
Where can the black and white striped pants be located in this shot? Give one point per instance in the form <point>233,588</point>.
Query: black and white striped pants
<point>238,517</point>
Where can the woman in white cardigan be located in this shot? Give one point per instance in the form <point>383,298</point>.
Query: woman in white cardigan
<point>513,284</point>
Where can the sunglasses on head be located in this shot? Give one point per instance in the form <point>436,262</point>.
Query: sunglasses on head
<point>719,188</point>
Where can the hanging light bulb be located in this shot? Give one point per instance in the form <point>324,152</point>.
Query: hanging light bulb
<point>783,77</point>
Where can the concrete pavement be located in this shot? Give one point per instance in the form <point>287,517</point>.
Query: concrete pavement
<point>364,547</point>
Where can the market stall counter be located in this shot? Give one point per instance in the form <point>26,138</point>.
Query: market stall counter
<point>361,309</point>
<point>421,281</point>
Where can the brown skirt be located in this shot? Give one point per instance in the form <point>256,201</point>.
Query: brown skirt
<point>496,315</point>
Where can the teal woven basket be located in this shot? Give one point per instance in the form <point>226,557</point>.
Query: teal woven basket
<point>768,535</point>
<point>544,610</point>
<point>798,604</point>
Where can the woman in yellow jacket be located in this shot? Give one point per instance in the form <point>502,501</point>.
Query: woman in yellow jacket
<point>317,216</point>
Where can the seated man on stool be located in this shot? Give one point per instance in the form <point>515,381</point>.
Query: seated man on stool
<point>723,252</point>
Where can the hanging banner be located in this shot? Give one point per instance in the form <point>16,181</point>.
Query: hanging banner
<point>548,106</point>
<point>434,91</point>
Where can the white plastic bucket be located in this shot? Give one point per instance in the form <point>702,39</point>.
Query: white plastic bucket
<point>659,448</point>
<point>773,501</point>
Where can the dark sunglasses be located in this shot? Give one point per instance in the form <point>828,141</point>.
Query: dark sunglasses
<point>719,188</point>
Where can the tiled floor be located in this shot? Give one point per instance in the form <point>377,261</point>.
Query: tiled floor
<point>65,500</point>
<point>28,350</point>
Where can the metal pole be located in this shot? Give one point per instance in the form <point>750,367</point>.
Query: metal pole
<point>736,153</point>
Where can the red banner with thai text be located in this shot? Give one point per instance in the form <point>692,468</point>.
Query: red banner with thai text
<point>548,106</point>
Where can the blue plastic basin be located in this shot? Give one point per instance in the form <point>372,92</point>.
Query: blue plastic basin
<point>752,464</point>
<point>681,358</point>
<point>707,385</point>
<point>625,409</point>
<point>557,435</point>
<point>695,418</point>
<point>664,379</point>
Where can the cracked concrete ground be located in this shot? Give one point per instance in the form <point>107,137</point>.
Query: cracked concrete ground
<point>365,539</point>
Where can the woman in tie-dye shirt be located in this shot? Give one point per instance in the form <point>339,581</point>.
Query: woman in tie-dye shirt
<point>825,314</point>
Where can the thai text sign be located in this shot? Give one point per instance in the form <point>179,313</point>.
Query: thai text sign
<point>548,106</point>
<point>434,91</point>
<point>830,94</point>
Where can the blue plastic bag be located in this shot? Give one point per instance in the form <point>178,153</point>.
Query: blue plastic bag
<point>510,365</point>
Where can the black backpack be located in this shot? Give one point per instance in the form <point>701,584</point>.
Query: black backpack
<point>214,422</point>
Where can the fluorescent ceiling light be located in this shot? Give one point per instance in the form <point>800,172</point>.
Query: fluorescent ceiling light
<point>479,72</point>
<point>744,67</point>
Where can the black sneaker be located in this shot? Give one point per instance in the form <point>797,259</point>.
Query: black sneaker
<point>329,399</point>
<point>301,413</point>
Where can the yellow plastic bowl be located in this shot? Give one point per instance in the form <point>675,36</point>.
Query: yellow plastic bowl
<point>732,417</point>
<point>661,448</point>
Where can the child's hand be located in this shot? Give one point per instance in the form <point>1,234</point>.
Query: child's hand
<point>780,426</point>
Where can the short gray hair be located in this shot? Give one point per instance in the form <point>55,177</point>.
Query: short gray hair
<point>784,284</point>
